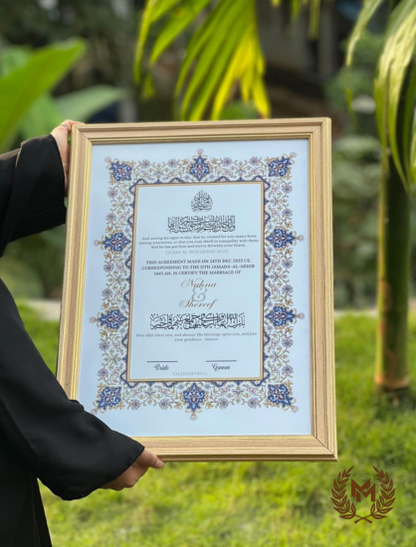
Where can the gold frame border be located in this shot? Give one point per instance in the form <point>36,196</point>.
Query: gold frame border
<point>322,443</point>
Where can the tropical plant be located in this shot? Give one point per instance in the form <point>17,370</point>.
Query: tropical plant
<point>223,57</point>
<point>223,53</point>
<point>28,109</point>
<point>25,77</point>
<point>37,112</point>
<point>356,173</point>
<point>395,94</point>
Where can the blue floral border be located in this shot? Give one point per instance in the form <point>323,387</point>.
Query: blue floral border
<point>276,387</point>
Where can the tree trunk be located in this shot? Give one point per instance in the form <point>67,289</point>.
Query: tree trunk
<point>391,373</point>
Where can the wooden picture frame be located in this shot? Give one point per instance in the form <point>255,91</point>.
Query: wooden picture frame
<point>267,193</point>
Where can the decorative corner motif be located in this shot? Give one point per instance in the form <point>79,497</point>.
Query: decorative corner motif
<point>281,167</point>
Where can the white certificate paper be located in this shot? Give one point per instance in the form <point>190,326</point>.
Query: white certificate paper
<point>173,343</point>
<point>197,283</point>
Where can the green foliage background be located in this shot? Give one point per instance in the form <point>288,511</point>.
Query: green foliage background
<point>244,503</point>
<point>259,503</point>
<point>64,77</point>
<point>33,267</point>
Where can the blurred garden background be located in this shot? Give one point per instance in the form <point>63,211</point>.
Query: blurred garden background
<point>105,61</point>
<point>82,54</point>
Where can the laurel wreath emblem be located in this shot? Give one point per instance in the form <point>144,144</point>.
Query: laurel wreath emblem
<point>379,509</point>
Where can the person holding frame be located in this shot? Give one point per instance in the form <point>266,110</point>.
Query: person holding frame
<point>43,433</point>
<point>197,307</point>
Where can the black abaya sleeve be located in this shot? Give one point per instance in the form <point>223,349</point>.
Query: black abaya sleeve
<point>31,190</point>
<point>69,449</point>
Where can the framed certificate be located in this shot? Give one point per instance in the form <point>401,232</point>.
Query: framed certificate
<point>197,312</point>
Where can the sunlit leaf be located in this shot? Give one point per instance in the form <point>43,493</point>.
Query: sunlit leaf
<point>215,66</point>
<point>231,74</point>
<point>148,87</point>
<point>222,56</point>
<point>364,18</point>
<point>260,98</point>
<point>214,57</point>
<point>178,21</point>
<point>153,11</point>
<point>215,73</point>
<point>208,29</point>
<point>161,8</point>
<point>295,6</point>
<point>314,18</point>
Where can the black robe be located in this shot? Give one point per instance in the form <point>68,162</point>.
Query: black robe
<point>42,433</point>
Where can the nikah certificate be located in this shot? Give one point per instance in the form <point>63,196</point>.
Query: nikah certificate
<point>197,309</point>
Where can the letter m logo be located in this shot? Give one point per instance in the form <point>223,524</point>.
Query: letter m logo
<point>365,490</point>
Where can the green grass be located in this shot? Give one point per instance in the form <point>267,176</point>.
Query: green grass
<point>260,503</point>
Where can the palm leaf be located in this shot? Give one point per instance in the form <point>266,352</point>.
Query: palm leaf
<point>409,119</point>
<point>211,82</point>
<point>223,54</point>
<point>153,11</point>
<point>201,38</point>
<point>232,73</point>
<point>260,97</point>
<point>179,19</point>
<point>397,54</point>
<point>366,14</point>
<point>392,83</point>
<point>215,55</point>
<point>295,9</point>
<point>314,18</point>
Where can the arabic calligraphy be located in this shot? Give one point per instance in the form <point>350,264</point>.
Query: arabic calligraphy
<point>197,321</point>
<point>211,223</point>
<point>202,202</point>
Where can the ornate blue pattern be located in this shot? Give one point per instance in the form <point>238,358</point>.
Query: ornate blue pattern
<point>121,171</point>
<point>113,319</point>
<point>266,217</point>
<point>279,395</point>
<point>116,242</point>
<point>109,396</point>
<point>279,167</point>
<point>199,168</point>
<point>280,238</point>
<point>280,316</point>
<point>193,397</point>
